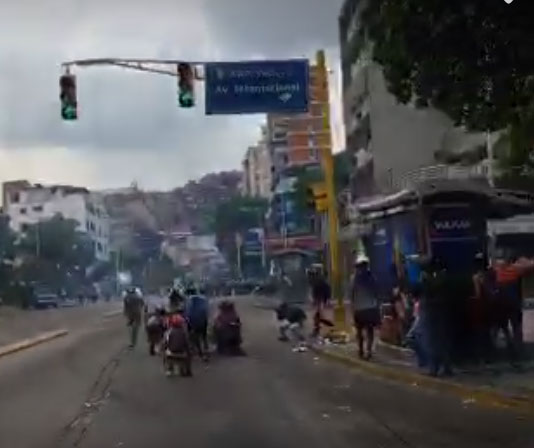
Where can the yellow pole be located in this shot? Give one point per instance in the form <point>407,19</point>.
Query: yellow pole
<point>328,167</point>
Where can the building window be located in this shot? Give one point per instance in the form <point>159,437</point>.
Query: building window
<point>24,227</point>
<point>23,211</point>
<point>37,208</point>
<point>15,197</point>
<point>99,248</point>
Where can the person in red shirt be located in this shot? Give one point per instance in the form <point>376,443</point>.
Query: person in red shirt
<point>509,273</point>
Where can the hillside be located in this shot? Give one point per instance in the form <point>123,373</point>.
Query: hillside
<point>188,208</point>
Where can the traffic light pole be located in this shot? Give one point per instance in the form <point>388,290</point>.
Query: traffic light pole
<point>144,65</point>
<point>340,333</point>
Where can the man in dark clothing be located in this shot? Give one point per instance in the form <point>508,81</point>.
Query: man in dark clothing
<point>436,318</point>
<point>133,311</point>
<point>321,295</point>
<point>196,311</point>
<point>365,305</point>
<point>291,318</point>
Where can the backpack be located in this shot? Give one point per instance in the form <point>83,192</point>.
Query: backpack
<point>177,341</point>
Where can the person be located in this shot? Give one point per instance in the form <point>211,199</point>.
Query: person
<point>196,312</point>
<point>415,334</point>
<point>133,311</point>
<point>176,300</point>
<point>364,298</point>
<point>483,307</point>
<point>321,295</point>
<point>227,329</point>
<point>291,318</point>
<point>509,273</point>
<point>155,329</point>
<point>435,317</point>
<point>177,347</point>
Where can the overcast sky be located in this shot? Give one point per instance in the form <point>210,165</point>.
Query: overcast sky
<point>129,124</point>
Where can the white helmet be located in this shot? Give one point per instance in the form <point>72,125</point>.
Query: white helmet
<point>362,259</point>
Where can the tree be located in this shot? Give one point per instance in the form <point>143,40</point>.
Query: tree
<point>236,215</point>
<point>54,249</point>
<point>469,58</point>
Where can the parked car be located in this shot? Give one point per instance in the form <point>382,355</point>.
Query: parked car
<point>42,299</point>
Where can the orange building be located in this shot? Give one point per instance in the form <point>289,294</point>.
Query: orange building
<point>296,140</point>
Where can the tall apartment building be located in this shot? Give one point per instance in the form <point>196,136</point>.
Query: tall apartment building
<point>295,141</point>
<point>387,140</point>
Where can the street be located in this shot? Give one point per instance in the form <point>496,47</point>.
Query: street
<point>86,390</point>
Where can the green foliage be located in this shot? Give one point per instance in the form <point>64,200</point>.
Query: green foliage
<point>237,215</point>
<point>53,250</point>
<point>470,60</point>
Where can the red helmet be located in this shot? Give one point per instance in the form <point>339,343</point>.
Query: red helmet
<point>176,321</point>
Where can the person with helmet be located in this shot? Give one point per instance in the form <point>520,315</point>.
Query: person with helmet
<point>365,306</point>
<point>177,347</point>
<point>134,306</point>
<point>196,312</point>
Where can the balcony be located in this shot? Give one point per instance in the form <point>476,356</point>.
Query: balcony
<point>438,172</point>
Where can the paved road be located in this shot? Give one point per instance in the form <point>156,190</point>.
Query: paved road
<point>271,398</point>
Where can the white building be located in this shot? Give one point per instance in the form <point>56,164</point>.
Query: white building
<point>27,204</point>
<point>257,172</point>
<point>388,140</point>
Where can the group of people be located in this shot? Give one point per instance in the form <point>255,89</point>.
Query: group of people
<point>180,330</point>
<point>431,313</point>
<point>434,316</point>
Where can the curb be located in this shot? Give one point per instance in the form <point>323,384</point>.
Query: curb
<point>28,343</point>
<point>482,396</point>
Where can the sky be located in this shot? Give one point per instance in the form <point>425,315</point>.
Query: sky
<point>130,127</point>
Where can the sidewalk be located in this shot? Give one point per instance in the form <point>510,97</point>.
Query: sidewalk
<point>497,384</point>
<point>17,324</point>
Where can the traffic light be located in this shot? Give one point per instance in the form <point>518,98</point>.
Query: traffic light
<point>186,85</point>
<point>69,104</point>
<point>316,197</point>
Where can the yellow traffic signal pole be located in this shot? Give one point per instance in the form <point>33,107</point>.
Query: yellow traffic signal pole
<point>340,333</point>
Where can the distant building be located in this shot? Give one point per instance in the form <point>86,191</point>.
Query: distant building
<point>28,204</point>
<point>257,174</point>
<point>388,140</point>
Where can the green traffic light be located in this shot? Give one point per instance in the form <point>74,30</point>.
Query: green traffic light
<point>69,112</point>
<point>186,99</point>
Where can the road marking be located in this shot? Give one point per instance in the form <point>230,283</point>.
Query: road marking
<point>32,342</point>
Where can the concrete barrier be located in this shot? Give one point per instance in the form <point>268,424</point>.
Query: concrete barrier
<point>31,342</point>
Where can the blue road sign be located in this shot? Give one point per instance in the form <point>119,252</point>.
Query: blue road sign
<point>257,87</point>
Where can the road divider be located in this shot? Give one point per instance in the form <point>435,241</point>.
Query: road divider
<point>483,396</point>
<point>32,342</point>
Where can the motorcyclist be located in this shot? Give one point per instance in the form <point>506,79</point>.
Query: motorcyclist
<point>227,329</point>
<point>197,317</point>
<point>177,347</point>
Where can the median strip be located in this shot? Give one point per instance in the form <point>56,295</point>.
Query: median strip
<point>32,342</point>
<point>483,396</point>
